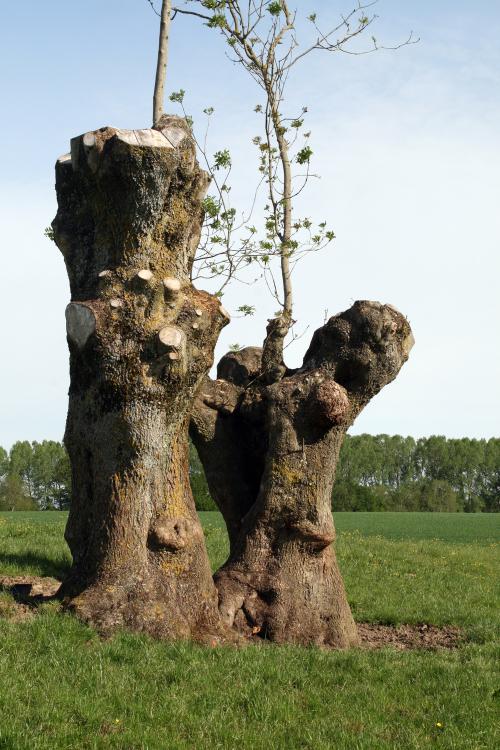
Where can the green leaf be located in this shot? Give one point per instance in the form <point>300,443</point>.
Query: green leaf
<point>218,21</point>
<point>222,159</point>
<point>274,8</point>
<point>246,309</point>
<point>211,206</point>
<point>177,96</point>
<point>304,155</point>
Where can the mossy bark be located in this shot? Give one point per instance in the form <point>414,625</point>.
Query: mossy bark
<point>281,442</point>
<point>141,339</point>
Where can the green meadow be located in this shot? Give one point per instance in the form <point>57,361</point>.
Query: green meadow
<point>62,686</point>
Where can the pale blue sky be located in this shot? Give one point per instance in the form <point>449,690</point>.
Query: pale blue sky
<point>407,145</point>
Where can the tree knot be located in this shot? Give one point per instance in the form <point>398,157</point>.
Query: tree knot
<point>172,534</point>
<point>330,403</point>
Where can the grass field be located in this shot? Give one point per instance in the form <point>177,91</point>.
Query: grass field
<point>63,687</point>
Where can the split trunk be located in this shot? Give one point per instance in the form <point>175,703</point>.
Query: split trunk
<point>269,443</point>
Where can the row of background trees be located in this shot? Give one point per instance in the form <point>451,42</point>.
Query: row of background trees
<point>35,476</point>
<point>383,472</point>
<point>375,473</point>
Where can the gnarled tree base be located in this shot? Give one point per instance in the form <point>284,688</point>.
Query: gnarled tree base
<point>146,606</point>
<point>299,599</point>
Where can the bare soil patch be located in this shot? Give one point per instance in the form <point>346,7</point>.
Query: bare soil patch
<point>408,637</point>
<point>28,592</point>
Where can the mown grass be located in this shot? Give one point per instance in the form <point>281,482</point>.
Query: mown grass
<point>63,687</point>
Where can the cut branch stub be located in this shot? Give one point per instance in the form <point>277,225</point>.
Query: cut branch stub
<point>80,323</point>
<point>89,140</point>
<point>171,341</point>
<point>172,288</point>
<point>144,281</point>
<point>224,313</point>
<point>167,138</point>
<point>64,160</point>
<point>145,275</point>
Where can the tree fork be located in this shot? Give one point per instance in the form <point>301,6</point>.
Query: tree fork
<point>128,224</point>
<point>282,579</point>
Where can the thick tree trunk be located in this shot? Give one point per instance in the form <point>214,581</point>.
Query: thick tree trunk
<point>141,339</point>
<point>281,443</point>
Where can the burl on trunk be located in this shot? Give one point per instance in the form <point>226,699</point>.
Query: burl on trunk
<point>141,339</point>
<point>270,450</point>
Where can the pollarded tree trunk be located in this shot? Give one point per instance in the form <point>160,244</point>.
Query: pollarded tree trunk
<point>281,443</point>
<point>141,340</point>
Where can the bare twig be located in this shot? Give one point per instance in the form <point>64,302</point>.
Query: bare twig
<point>150,2</point>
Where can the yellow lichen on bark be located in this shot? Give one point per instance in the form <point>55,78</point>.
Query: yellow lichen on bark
<point>288,474</point>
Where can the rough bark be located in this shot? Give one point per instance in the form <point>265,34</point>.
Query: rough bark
<point>141,339</point>
<point>279,444</point>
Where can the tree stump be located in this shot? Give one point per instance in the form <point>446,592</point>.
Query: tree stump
<point>270,452</point>
<point>130,211</point>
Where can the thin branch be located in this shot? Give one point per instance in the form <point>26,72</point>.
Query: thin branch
<point>150,2</point>
<point>183,12</point>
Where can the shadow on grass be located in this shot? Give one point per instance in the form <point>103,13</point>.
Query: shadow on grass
<point>32,594</point>
<point>45,566</point>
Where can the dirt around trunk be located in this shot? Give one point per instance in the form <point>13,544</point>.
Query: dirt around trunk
<point>28,592</point>
<point>409,637</point>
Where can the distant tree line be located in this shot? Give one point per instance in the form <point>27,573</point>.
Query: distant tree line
<point>384,472</point>
<point>375,473</point>
<point>35,476</point>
